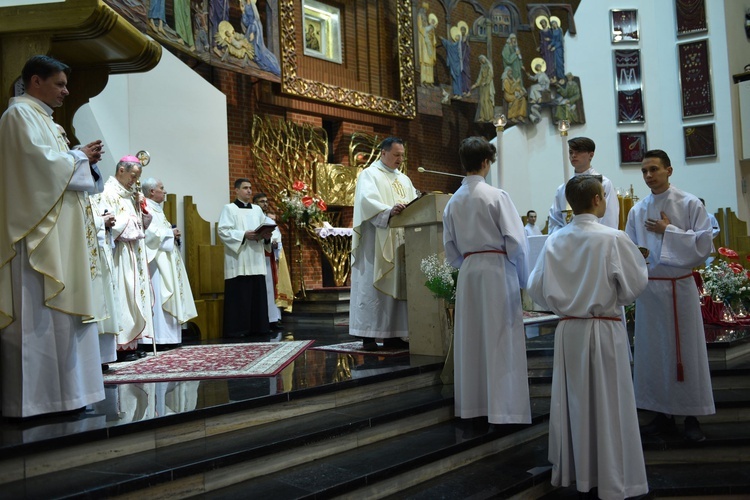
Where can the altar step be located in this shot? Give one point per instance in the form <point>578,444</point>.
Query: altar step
<point>393,465</point>
<point>322,306</point>
<point>714,468</point>
<point>451,459</point>
<point>385,435</point>
<point>389,436</point>
<point>728,351</point>
<point>178,456</point>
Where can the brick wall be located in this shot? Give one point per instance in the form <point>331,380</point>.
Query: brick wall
<point>432,143</point>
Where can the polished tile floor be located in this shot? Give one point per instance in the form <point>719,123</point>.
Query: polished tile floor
<point>131,404</point>
<point>127,404</point>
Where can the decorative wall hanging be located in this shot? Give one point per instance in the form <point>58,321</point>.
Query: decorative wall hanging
<point>691,16</point>
<point>700,141</point>
<point>629,86</point>
<point>632,147</point>
<point>624,25</point>
<point>322,30</point>
<point>695,79</point>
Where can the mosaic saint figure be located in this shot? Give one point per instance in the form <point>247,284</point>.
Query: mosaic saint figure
<point>536,91</point>
<point>557,48</point>
<point>512,57</point>
<point>453,59</point>
<point>486,86</point>
<point>253,29</point>
<point>545,45</point>
<point>426,25</point>
<point>515,96</point>
<point>465,59</point>
<point>218,11</point>
<point>568,96</point>
<point>182,22</point>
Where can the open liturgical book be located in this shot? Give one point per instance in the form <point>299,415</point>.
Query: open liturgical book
<point>266,228</point>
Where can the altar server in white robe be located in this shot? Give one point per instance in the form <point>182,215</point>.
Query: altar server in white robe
<point>671,361</point>
<point>484,237</point>
<point>378,276</point>
<point>49,348</point>
<point>173,298</point>
<point>581,152</point>
<point>245,300</point>
<point>585,274</point>
<point>129,255</point>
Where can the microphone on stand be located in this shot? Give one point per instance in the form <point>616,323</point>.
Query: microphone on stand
<point>177,241</point>
<point>422,170</point>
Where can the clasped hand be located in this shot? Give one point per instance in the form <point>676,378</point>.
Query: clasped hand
<point>93,151</point>
<point>109,220</point>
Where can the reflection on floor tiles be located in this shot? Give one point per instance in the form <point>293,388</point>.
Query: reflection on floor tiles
<point>127,404</point>
<point>130,403</point>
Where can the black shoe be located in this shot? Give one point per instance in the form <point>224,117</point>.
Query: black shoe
<point>127,356</point>
<point>395,343</point>
<point>693,432</point>
<point>166,347</point>
<point>661,424</point>
<point>369,344</point>
<point>142,354</point>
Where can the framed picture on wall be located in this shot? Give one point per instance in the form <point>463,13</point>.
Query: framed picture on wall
<point>695,79</point>
<point>628,86</point>
<point>632,147</point>
<point>624,25</point>
<point>691,17</point>
<point>321,30</point>
<point>700,141</point>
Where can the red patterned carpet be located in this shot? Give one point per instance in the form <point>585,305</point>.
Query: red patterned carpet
<point>262,359</point>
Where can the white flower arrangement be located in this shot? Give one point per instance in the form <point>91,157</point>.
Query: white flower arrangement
<point>302,207</point>
<point>724,281</point>
<point>441,278</point>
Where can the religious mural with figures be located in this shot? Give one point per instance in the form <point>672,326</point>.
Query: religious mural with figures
<point>239,35</point>
<point>504,57</point>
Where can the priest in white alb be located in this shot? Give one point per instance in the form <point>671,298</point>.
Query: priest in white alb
<point>173,298</point>
<point>377,306</point>
<point>131,266</point>
<point>671,360</point>
<point>484,237</point>
<point>586,273</point>
<point>49,348</point>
